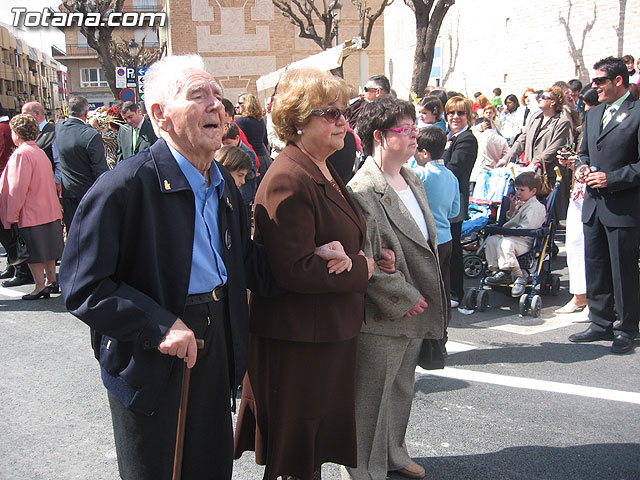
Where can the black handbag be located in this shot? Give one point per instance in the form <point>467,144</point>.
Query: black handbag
<point>431,356</point>
<point>22,253</point>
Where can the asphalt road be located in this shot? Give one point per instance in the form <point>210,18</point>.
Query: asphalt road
<point>516,401</point>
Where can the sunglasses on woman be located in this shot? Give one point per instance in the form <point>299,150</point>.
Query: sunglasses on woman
<point>460,113</point>
<point>330,114</point>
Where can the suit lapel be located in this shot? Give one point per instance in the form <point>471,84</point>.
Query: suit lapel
<point>619,117</point>
<point>395,209</point>
<point>345,203</point>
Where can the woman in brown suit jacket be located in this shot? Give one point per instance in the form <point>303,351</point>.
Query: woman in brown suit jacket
<point>297,407</point>
<point>403,308</point>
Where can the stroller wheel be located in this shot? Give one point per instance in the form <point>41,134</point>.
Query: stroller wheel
<point>536,306</point>
<point>469,300</point>
<point>524,304</point>
<point>555,285</point>
<point>483,300</point>
<point>473,266</point>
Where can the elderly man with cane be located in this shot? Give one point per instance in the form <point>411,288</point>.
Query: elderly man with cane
<point>158,256</point>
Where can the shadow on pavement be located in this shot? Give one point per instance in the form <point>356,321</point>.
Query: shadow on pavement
<point>619,461</point>
<point>427,384</point>
<point>544,352</point>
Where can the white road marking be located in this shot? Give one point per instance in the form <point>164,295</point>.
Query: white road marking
<point>7,292</point>
<point>457,347</point>
<point>532,384</point>
<point>529,325</point>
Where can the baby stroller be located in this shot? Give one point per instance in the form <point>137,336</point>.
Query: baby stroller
<point>485,208</point>
<point>536,264</point>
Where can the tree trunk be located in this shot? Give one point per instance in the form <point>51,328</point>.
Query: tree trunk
<point>427,28</point>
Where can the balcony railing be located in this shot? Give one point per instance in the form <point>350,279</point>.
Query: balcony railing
<point>73,50</point>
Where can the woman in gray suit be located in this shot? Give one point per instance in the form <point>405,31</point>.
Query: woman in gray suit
<point>403,308</point>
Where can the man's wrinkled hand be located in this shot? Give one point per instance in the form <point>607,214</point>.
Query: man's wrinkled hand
<point>387,262</point>
<point>180,341</point>
<point>418,308</point>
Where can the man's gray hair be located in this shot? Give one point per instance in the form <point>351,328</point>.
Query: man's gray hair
<point>78,106</point>
<point>163,79</point>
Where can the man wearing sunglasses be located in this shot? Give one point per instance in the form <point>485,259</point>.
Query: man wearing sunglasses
<point>609,163</point>
<point>377,86</point>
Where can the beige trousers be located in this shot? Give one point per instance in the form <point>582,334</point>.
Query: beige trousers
<point>501,252</point>
<point>384,394</point>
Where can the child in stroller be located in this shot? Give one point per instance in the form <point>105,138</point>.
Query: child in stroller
<point>501,252</point>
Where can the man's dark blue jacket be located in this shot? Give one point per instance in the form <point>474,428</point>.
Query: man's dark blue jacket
<point>126,266</point>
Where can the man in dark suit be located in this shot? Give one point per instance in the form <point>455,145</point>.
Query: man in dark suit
<point>137,134</point>
<point>82,157</point>
<point>609,163</point>
<point>46,137</point>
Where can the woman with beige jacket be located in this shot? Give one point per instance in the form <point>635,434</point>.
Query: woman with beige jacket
<point>403,308</point>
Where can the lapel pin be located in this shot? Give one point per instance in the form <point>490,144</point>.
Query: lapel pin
<point>229,203</point>
<point>227,239</point>
<point>621,117</point>
<point>387,201</point>
<point>167,185</point>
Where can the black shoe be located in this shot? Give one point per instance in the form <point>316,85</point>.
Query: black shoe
<point>500,278</point>
<point>622,343</point>
<point>9,272</point>
<point>590,335</point>
<point>17,281</point>
<point>44,293</point>
<point>54,287</point>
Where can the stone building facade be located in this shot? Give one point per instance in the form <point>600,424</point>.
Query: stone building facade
<point>27,74</point>
<point>514,45</point>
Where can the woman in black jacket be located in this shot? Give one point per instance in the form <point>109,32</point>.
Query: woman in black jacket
<point>459,157</point>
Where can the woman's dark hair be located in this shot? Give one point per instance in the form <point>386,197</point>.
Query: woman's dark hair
<point>613,67</point>
<point>379,115</point>
<point>589,96</point>
<point>433,104</point>
<point>441,95</point>
<point>511,97</point>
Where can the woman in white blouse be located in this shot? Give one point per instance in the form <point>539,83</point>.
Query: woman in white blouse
<point>403,308</point>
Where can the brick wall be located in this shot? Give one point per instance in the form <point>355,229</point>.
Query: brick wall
<point>241,41</point>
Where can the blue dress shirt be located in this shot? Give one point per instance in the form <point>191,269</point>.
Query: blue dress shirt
<point>207,268</point>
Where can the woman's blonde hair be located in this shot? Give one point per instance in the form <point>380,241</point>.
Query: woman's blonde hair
<point>557,96</point>
<point>301,90</point>
<point>459,104</point>
<point>252,107</point>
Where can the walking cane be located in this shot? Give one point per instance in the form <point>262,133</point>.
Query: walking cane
<point>182,416</point>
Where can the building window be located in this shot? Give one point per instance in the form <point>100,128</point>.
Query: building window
<point>145,5</point>
<point>92,77</point>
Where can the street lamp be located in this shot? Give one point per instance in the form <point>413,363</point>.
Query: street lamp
<point>336,9</point>
<point>134,50</point>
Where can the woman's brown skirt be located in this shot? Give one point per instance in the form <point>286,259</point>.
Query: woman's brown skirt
<point>297,409</point>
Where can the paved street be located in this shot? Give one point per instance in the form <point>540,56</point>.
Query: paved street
<point>516,401</point>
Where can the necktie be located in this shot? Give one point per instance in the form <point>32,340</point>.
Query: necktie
<point>608,115</point>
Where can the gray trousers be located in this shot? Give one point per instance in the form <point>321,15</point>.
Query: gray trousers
<point>384,394</point>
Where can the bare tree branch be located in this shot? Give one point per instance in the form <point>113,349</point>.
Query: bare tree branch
<point>110,54</point>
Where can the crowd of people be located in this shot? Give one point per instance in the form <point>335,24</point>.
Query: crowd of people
<point>343,219</point>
